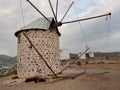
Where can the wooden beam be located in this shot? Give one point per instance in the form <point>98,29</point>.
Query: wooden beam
<point>52,10</point>
<point>39,11</point>
<point>86,18</point>
<point>67,11</point>
<point>75,60</point>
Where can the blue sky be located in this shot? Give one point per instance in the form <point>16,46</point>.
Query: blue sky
<point>72,39</point>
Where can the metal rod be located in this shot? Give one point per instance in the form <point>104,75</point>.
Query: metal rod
<point>86,18</point>
<point>52,10</point>
<point>21,7</point>
<point>39,54</point>
<point>67,11</point>
<point>75,60</point>
<point>39,12</point>
<point>56,8</point>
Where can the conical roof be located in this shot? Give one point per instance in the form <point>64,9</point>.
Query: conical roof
<point>39,24</point>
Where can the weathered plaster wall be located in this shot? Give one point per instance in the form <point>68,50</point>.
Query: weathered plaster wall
<point>30,63</point>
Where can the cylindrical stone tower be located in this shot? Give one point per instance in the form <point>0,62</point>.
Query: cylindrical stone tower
<point>46,41</point>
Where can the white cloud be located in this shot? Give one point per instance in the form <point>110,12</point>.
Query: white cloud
<point>72,39</point>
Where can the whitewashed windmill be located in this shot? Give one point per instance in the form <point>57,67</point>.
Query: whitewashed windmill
<point>38,45</point>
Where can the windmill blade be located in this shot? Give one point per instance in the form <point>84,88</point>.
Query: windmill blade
<point>52,10</point>
<point>67,11</point>
<point>56,8</point>
<point>86,18</point>
<point>39,11</point>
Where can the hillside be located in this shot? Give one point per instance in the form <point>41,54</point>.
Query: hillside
<point>6,59</point>
<point>107,53</point>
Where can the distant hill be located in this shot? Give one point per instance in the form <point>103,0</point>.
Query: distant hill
<point>107,53</point>
<point>4,59</point>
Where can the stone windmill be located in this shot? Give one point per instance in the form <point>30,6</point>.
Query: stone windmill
<point>38,45</point>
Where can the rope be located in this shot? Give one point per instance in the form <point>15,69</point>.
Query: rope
<point>81,28</point>
<point>23,20</point>
<point>84,38</point>
<point>107,41</point>
<point>102,26</point>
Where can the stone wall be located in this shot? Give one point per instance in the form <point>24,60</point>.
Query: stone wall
<point>115,58</point>
<point>105,59</point>
<point>30,63</point>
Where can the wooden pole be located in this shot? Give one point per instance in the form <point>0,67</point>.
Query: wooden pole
<point>52,10</point>
<point>75,60</point>
<point>39,11</point>
<point>86,18</point>
<point>67,11</point>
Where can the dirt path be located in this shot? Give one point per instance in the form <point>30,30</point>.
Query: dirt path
<point>98,77</point>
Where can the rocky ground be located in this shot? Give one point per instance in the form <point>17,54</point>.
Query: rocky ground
<point>97,77</point>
